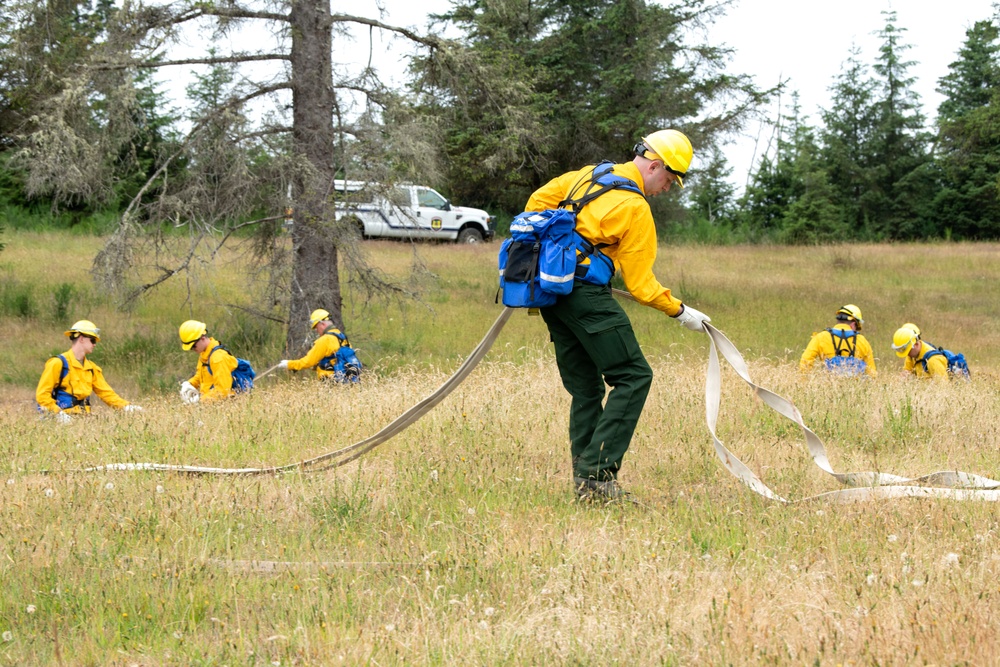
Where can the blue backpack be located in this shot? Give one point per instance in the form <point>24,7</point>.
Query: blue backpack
<point>845,344</point>
<point>545,253</point>
<point>344,362</point>
<point>243,374</point>
<point>957,365</point>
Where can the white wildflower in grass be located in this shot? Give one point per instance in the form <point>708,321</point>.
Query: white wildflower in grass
<point>892,538</point>
<point>949,559</point>
<point>483,625</point>
<point>390,627</point>
<point>434,475</point>
<point>8,636</point>
<point>489,611</point>
<point>10,482</point>
<point>871,579</point>
<point>109,486</point>
<point>472,511</point>
<point>49,493</point>
<point>31,609</point>
<point>159,488</point>
<point>793,567</point>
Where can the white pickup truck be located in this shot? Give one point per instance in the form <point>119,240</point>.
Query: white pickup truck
<point>409,211</point>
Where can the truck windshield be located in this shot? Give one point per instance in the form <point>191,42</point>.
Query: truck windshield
<point>430,198</point>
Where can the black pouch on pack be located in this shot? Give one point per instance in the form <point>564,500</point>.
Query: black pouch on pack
<point>522,262</point>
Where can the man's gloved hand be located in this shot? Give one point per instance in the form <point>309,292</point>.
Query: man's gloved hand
<point>693,319</point>
<point>283,364</point>
<point>189,393</point>
<point>63,418</point>
<point>131,407</point>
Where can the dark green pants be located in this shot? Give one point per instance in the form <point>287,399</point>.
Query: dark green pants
<point>594,344</point>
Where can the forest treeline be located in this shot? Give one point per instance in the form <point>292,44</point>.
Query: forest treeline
<point>528,90</point>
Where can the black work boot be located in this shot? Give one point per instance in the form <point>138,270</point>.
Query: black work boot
<point>592,489</point>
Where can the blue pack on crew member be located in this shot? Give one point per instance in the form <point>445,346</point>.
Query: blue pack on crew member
<point>331,355</point>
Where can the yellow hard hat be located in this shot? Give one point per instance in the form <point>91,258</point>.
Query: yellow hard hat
<point>191,332</point>
<point>318,316</point>
<point>850,313</point>
<point>903,340</point>
<point>85,328</point>
<point>672,148</point>
<point>912,327</point>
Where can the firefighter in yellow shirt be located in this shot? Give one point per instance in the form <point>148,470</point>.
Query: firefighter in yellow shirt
<point>841,348</point>
<point>331,355</point>
<point>919,360</point>
<point>213,378</point>
<point>70,378</point>
<point>595,345</point>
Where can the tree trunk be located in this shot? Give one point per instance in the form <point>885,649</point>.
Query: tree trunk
<point>315,278</point>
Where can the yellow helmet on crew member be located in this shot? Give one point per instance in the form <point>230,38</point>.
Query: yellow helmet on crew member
<point>191,332</point>
<point>318,316</point>
<point>850,313</point>
<point>84,328</point>
<point>672,148</point>
<point>912,327</point>
<point>903,340</point>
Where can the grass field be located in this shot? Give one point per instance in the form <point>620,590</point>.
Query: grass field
<point>459,541</point>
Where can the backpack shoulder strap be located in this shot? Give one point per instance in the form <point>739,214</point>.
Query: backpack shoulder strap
<point>601,180</point>
<point>208,364</point>
<point>62,373</point>
<point>843,337</point>
<point>929,355</point>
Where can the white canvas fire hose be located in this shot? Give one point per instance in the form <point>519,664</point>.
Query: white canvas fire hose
<point>862,485</point>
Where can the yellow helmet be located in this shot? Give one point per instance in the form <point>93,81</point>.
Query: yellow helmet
<point>912,327</point>
<point>672,148</point>
<point>850,313</point>
<point>191,332</point>
<point>903,340</point>
<point>84,328</point>
<point>318,316</point>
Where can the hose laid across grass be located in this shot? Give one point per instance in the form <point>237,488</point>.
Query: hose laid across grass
<point>862,485</point>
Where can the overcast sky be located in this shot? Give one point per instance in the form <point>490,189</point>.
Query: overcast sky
<point>805,42</point>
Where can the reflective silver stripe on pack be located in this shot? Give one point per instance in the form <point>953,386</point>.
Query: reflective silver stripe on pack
<point>556,279</point>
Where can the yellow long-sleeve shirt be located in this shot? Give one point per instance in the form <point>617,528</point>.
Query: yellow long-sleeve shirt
<point>937,366</point>
<point>622,220</point>
<point>82,379</point>
<point>326,345</point>
<point>219,382</point>
<point>821,348</point>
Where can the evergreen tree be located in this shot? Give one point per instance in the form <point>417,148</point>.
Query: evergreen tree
<point>898,210</point>
<point>588,77</point>
<point>790,198</point>
<point>847,137</point>
<point>968,148</point>
<point>712,197</point>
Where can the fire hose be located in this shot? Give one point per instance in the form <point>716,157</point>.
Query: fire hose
<point>861,485</point>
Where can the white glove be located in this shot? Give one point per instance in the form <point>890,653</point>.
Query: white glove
<point>693,319</point>
<point>63,418</point>
<point>189,393</point>
<point>283,364</point>
<point>132,408</point>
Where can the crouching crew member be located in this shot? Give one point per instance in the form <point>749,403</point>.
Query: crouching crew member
<point>70,378</point>
<point>214,377</point>
<point>331,355</point>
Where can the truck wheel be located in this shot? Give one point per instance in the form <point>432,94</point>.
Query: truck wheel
<point>355,226</point>
<point>470,235</point>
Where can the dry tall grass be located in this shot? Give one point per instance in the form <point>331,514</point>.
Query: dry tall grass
<point>460,541</point>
